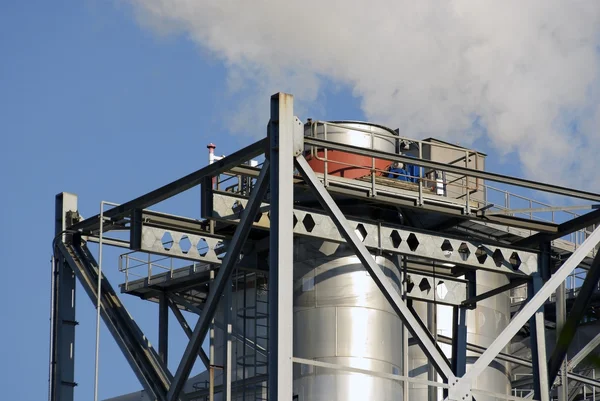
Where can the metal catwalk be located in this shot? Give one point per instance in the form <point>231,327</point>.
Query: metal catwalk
<point>350,264</point>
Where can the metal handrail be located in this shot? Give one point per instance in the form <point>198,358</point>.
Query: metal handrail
<point>129,270</point>
<point>576,238</point>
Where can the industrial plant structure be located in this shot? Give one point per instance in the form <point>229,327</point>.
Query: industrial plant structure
<point>348,264</point>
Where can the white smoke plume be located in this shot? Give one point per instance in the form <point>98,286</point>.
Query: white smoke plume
<point>522,75</point>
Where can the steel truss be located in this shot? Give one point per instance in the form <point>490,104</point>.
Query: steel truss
<point>285,169</point>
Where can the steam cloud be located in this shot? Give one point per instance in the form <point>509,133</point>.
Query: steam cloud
<point>523,75</point>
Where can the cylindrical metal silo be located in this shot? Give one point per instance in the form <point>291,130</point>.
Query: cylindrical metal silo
<point>484,323</point>
<point>341,317</point>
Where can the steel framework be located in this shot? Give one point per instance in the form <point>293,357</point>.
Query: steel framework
<point>264,219</point>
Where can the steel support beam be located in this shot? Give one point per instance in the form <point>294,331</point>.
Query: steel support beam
<point>541,387</point>
<point>459,341</point>
<point>584,352</point>
<point>555,189</point>
<point>429,347</point>
<point>530,308</point>
<point>216,290</point>
<point>471,303</point>
<point>575,315</point>
<point>62,341</point>
<point>177,186</point>
<point>163,328</point>
<point>281,136</point>
<point>561,317</point>
<point>566,228</point>
<point>142,357</point>
<point>396,239</point>
<point>432,392</point>
<point>519,361</point>
<point>368,372</point>
<point>188,331</point>
<point>227,333</point>
<point>540,210</point>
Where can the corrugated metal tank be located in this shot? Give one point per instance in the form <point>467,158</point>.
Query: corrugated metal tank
<point>341,317</point>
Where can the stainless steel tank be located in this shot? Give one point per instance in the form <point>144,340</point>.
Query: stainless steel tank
<point>484,325</point>
<point>341,317</point>
<point>359,134</point>
<point>356,133</point>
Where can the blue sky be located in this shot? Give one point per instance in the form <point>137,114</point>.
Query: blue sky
<point>91,103</point>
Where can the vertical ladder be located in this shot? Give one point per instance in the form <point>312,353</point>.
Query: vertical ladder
<point>261,334</point>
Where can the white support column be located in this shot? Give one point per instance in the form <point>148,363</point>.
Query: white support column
<point>281,135</point>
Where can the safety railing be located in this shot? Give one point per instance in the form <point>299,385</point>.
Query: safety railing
<point>498,199</point>
<point>235,183</point>
<point>136,267</point>
<point>423,179</point>
<point>572,287</point>
<point>474,192</point>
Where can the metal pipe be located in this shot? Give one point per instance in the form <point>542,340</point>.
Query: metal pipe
<point>405,362</point>
<point>52,335</point>
<point>98,294</point>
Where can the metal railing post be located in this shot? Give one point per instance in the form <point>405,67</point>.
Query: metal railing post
<point>326,163</point>
<point>420,177</point>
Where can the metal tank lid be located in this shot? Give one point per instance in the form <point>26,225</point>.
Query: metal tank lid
<point>358,122</point>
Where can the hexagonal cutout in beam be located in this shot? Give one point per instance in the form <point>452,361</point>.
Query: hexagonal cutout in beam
<point>361,232</point>
<point>425,285</point>
<point>396,239</point>
<point>441,290</point>
<point>463,251</point>
<point>185,244</point>
<point>202,247</point>
<point>515,261</point>
<point>167,241</point>
<point>413,242</point>
<point>481,254</point>
<point>498,257</point>
<point>309,223</point>
<point>447,248</point>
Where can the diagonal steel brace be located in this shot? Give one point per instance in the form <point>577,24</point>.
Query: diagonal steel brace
<point>216,289</point>
<point>529,310</point>
<point>429,347</point>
